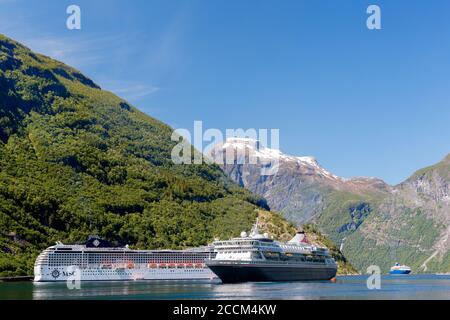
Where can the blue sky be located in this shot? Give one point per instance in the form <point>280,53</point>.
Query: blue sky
<point>364,103</point>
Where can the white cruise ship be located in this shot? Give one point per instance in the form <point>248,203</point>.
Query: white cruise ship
<point>256,257</point>
<point>97,260</point>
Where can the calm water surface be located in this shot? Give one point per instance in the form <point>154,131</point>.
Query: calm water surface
<point>346,287</point>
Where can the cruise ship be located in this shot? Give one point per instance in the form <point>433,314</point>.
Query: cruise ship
<point>400,269</point>
<point>256,257</point>
<point>97,260</point>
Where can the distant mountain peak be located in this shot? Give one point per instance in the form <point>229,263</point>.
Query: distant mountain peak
<point>248,147</point>
<point>298,185</point>
<point>259,150</point>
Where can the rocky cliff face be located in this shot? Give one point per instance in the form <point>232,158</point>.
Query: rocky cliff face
<point>376,222</point>
<point>412,223</point>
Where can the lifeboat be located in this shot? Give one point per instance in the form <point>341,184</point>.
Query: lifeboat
<point>130,265</point>
<point>152,265</point>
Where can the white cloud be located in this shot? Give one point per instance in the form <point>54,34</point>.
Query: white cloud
<point>78,53</point>
<point>130,90</point>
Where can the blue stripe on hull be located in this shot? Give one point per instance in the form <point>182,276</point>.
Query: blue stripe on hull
<point>400,272</point>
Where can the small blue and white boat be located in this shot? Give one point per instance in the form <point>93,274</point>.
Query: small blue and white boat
<point>400,269</point>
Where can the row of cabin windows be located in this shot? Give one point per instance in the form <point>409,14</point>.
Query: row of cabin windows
<point>78,259</point>
<point>128,257</point>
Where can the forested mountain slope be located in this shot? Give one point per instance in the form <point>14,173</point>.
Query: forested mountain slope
<point>76,160</point>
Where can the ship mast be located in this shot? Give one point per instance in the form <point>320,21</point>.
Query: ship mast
<point>255,229</point>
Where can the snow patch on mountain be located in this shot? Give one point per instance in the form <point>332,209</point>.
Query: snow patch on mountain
<point>242,147</point>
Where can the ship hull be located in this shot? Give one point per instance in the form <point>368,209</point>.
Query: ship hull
<point>61,274</point>
<point>400,272</point>
<point>230,272</point>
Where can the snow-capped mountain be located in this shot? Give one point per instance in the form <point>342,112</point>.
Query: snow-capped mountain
<point>246,161</point>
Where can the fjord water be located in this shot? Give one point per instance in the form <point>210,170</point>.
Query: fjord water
<point>346,287</point>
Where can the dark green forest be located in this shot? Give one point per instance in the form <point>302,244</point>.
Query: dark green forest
<point>76,160</point>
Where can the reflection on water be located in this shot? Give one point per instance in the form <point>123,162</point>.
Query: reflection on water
<point>132,290</point>
<point>348,287</point>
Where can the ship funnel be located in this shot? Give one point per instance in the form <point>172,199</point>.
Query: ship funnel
<point>300,237</point>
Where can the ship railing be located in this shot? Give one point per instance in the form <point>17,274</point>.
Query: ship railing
<point>279,262</point>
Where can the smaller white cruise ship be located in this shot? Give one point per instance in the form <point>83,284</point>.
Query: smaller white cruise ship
<point>97,260</point>
<point>400,269</point>
<point>256,257</point>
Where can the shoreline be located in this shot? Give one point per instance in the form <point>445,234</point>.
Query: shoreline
<point>16,279</point>
<point>30,278</point>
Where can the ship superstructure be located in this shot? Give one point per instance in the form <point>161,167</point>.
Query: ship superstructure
<point>97,260</point>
